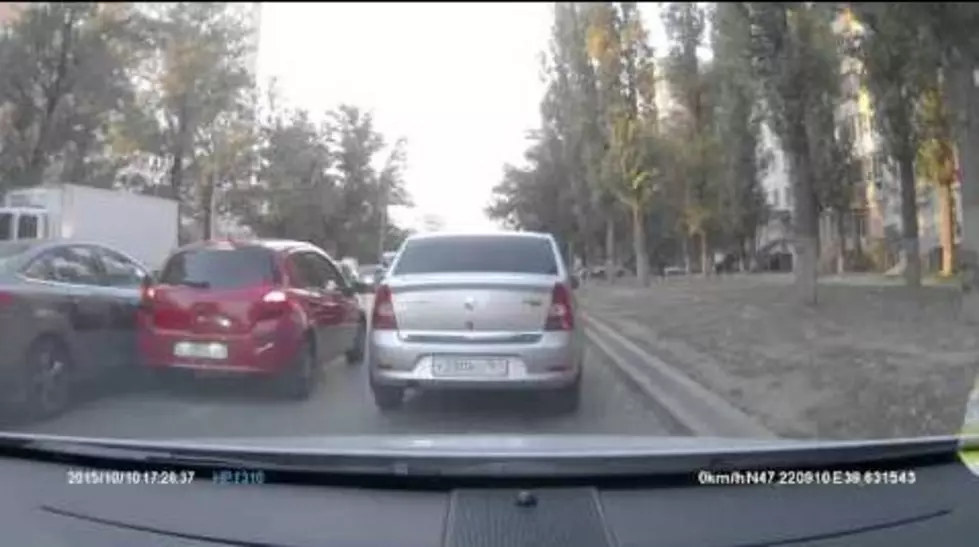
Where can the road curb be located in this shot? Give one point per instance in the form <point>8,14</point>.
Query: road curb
<point>692,405</point>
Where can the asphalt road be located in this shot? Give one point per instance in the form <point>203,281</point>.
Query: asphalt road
<point>343,406</point>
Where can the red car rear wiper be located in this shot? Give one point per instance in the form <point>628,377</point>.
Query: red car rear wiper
<point>194,284</point>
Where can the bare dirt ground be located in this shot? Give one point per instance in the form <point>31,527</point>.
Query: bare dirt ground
<point>869,361</point>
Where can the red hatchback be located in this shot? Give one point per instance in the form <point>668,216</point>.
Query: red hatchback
<point>276,308</point>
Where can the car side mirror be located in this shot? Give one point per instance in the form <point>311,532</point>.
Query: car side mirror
<point>575,282</point>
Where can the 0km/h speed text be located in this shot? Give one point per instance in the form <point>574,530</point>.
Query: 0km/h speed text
<point>805,477</point>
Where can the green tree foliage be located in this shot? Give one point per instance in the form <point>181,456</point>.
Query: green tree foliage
<point>691,84</point>
<point>742,206</point>
<point>796,61</point>
<point>65,79</point>
<point>606,159</point>
<point>936,164</point>
<point>900,62</point>
<point>92,93</point>
<point>618,46</point>
<point>329,183</point>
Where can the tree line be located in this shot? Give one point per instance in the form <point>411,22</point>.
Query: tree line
<point>161,98</point>
<point>644,157</point>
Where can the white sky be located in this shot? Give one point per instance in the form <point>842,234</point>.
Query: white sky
<point>459,81</point>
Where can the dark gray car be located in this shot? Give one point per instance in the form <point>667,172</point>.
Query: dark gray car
<point>67,315</point>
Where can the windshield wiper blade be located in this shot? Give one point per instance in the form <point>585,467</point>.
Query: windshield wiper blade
<point>194,284</point>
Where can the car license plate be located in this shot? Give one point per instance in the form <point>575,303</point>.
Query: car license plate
<point>208,350</point>
<point>469,367</point>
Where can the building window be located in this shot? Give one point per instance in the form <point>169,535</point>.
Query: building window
<point>775,200</point>
<point>788,197</point>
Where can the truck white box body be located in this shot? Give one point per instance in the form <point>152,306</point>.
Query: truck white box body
<point>144,227</point>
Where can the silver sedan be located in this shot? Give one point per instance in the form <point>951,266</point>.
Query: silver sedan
<point>489,311</point>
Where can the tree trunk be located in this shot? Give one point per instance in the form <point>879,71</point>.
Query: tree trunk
<point>208,205</point>
<point>805,226</point>
<point>705,266</point>
<point>946,211</point>
<point>639,245</point>
<point>687,259</point>
<point>610,249</point>
<point>841,242</point>
<point>858,233</point>
<point>909,220</point>
<point>962,86</point>
<point>743,254</point>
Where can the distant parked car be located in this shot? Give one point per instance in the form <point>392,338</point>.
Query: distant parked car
<point>67,316</point>
<point>370,273</point>
<point>266,307</point>
<point>493,312</point>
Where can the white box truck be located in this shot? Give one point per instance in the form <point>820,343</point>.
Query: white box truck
<point>144,227</point>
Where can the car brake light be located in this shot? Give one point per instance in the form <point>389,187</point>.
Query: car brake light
<point>560,316</point>
<point>383,316</point>
<point>274,297</point>
<point>274,304</point>
<point>147,296</point>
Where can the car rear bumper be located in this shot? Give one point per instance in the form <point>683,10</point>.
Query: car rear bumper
<point>248,354</point>
<point>554,361</point>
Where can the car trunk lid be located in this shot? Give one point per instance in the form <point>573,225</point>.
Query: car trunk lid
<point>472,302</point>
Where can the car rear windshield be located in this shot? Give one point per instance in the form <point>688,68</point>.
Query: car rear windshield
<point>234,268</point>
<point>12,249</point>
<point>473,254</point>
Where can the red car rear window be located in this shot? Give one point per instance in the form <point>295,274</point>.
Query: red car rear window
<point>234,268</point>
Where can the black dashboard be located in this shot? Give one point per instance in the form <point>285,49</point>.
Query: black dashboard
<point>40,508</point>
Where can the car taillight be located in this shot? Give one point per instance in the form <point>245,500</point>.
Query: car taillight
<point>274,297</point>
<point>274,304</point>
<point>383,316</point>
<point>147,296</point>
<point>560,316</point>
<point>6,298</point>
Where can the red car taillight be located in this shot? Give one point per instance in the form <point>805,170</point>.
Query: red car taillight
<point>274,304</point>
<point>383,315</point>
<point>6,298</point>
<point>560,316</point>
<point>146,297</point>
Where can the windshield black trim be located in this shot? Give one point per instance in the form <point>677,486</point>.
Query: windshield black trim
<point>356,465</point>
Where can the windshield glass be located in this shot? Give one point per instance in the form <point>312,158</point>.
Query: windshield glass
<point>580,221</point>
<point>221,268</point>
<point>473,254</point>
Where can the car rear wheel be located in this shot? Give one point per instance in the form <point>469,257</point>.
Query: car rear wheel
<point>387,397</point>
<point>355,355</point>
<point>298,381</point>
<point>567,399</point>
<point>47,381</point>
